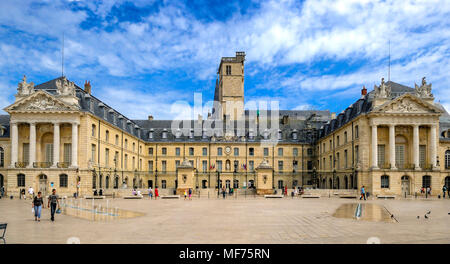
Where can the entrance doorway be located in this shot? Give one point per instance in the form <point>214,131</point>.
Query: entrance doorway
<point>43,184</point>
<point>227,184</point>
<point>447,182</point>
<point>1,181</point>
<point>204,184</point>
<point>405,185</point>
<point>150,183</point>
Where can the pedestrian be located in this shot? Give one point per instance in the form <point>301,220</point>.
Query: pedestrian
<point>185,195</point>
<point>285,190</point>
<point>22,194</point>
<point>190,194</point>
<point>52,203</point>
<point>363,193</point>
<point>295,192</point>
<point>429,190</point>
<point>37,206</point>
<point>31,192</point>
<point>444,190</point>
<point>223,192</point>
<point>150,192</point>
<point>2,191</point>
<point>156,193</point>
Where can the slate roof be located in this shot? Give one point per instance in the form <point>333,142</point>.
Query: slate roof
<point>4,124</point>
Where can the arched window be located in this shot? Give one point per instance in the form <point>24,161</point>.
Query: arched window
<point>116,182</point>
<point>236,183</point>
<point>107,182</point>
<point>94,181</point>
<point>2,157</point>
<point>447,159</point>
<point>447,182</point>
<point>63,179</point>
<point>384,181</point>
<point>20,180</point>
<point>426,181</point>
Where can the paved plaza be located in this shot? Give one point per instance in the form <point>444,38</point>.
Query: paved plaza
<point>251,220</point>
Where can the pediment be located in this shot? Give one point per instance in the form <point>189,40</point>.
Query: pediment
<point>407,103</point>
<point>40,101</point>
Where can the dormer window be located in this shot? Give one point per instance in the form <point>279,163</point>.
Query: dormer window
<point>266,134</point>
<point>150,134</point>
<point>178,133</point>
<point>294,134</point>
<point>164,134</point>
<point>191,134</point>
<point>250,134</point>
<point>280,134</point>
<point>204,134</point>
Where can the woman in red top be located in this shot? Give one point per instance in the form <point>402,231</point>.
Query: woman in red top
<point>156,193</point>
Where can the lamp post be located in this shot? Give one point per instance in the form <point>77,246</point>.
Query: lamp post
<point>334,178</point>
<point>156,178</point>
<point>218,183</point>
<point>314,177</point>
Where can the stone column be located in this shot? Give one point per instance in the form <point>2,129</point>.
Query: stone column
<point>433,145</point>
<point>32,144</point>
<point>74,145</point>
<point>374,147</point>
<point>392,146</point>
<point>416,147</point>
<point>14,144</point>
<point>55,144</point>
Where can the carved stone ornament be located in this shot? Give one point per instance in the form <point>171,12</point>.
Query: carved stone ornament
<point>41,102</point>
<point>424,91</point>
<point>382,91</point>
<point>24,88</point>
<point>65,87</point>
<point>406,106</point>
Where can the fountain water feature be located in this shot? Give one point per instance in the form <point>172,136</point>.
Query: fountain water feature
<point>95,212</point>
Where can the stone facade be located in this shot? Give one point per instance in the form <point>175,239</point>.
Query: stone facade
<point>58,135</point>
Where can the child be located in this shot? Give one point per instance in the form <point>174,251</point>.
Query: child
<point>185,194</point>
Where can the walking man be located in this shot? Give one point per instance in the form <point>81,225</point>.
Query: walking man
<point>444,190</point>
<point>150,192</point>
<point>363,193</point>
<point>52,203</point>
<point>31,192</point>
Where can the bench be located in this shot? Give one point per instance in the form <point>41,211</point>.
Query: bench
<point>310,196</point>
<point>273,196</point>
<point>3,226</point>
<point>133,197</point>
<point>94,197</point>
<point>386,196</point>
<point>170,196</point>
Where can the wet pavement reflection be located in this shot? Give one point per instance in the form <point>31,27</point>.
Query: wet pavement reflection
<point>364,211</point>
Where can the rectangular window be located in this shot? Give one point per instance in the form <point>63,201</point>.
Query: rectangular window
<point>338,160</point>
<point>93,153</point>
<point>356,132</point>
<point>116,158</point>
<point>126,143</point>
<point>337,141</point>
<point>133,164</point>
<point>20,180</point>
<point>125,161</point>
<point>295,152</point>
<point>204,151</point>
<point>280,152</point>
<point>345,159</point>
<point>63,180</point>
<point>251,165</point>
<point>205,166</point>
<point>150,151</point>
<point>49,153</point>
<point>177,151</point>
<point>67,153</point>
<point>309,152</point>
<point>280,165</point>
<point>163,184</point>
<point>117,139</point>
<point>228,69</point>
<point>345,137</point>
<point>381,156</point>
<point>107,157</point>
<point>309,165</point>
<point>191,151</point>
<point>93,130</point>
<point>236,152</point>
<point>384,181</point>
<point>164,166</point>
<point>164,151</point>
<point>150,165</point>
<point>26,153</point>
<point>331,162</point>
<point>251,152</point>
<point>219,151</point>
<point>177,163</point>
<point>422,155</point>
<point>266,152</point>
<point>219,165</point>
<point>400,156</point>
<point>356,154</point>
<point>107,136</point>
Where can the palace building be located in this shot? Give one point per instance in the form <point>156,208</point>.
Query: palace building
<point>393,140</point>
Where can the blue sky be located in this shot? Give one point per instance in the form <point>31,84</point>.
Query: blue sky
<point>148,57</point>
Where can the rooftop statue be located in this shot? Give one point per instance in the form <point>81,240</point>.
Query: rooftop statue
<point>65,87</point>
<point>25,88</point>
<point>424,90</point>
<point>382,91</point>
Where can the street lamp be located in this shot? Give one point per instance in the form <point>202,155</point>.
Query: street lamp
<point>314,177</point>
<point>334,178</point>
<point>218,182</point>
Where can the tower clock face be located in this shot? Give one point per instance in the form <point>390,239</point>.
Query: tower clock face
<point>228,150</point>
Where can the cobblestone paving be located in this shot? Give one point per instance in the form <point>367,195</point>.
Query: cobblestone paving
<point>253,220</point>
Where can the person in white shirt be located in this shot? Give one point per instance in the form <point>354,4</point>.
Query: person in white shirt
<point>31,192</point>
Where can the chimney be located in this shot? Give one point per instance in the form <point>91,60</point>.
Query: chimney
<point>363,91</point>
<point>150,117</point>
<point>87,87</point>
